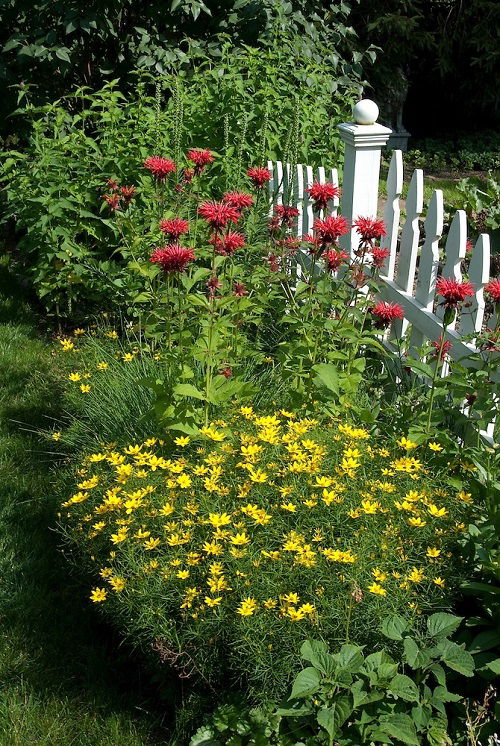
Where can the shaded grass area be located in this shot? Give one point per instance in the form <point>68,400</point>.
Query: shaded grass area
<point>64,680</point>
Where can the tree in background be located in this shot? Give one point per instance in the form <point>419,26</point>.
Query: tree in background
<point>433,54</point>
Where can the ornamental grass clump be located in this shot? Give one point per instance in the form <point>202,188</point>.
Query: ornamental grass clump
<point>228,550</point>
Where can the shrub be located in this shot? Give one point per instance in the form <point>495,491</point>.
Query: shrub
<point>223,552</point>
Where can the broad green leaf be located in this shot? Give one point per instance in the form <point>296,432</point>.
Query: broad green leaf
<point>400,726</point>
<point>485,641</point>
<point>394,627</point>
<point>494,666</point>
<point>306,682</point>
<point>350,657</point>
<point>456,658</point>
<point>411,651</point>
<point>204,736</point>
<point>187,389</point>
<point>328,375</point>
<point>402,686</point>
<point>334,717</point>
<point>443,625</point>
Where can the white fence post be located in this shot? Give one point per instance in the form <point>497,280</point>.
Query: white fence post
<point>363,139</point>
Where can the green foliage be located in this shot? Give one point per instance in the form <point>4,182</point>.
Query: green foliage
<point>51,47</point>
<point>478,152</point>
<point>394,695</point>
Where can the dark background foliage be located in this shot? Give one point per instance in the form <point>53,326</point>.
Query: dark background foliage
<point>432,53</point>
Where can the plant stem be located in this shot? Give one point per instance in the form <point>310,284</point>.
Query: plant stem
<point>435,376</point>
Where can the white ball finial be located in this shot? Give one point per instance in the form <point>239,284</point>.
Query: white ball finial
<point>365,112</point>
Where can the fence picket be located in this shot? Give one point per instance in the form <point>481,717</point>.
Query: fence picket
<point>454,254</point>
<point>409,244</point>
<point>429,261</point>
<point>333,177</point>
<point>392,212</point>
<point>479,272</point>
<point>308,217</point>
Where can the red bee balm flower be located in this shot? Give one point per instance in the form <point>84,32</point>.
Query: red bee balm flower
<point>239,289</point>
<point>113,201</point>
<point>218,214</point>
<point>200,158</point>
<point>159,167</point>
<point>493,290</point>
<point>333,259</point>
<point>127,193</point>
<point>172,258</point>
<point>175,227</point>
<point>386,312</point>
<point>229,243</point>
<point>331,228</point>
<point>259,176</point>
<point>286,213</point>
<point>379,256</point>
<point>447,345</point>
<point>370,229</point>
<point>453,292</point>
<point>321,194</point>
<point>240,200</point>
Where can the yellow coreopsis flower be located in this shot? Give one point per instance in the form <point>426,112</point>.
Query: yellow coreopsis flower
<point>290,507</point>
<point>85,388</point>
<point>379,576</point>
<point>247,607</point>
<point>219,519</point>
<point>270,603</point>
<point>439,582</point>
<point>258,476</point>
<point>416,522</point>
<point>416,575</point>
<point>151,544</point>
<point>435,447</point>
<point>296,615</point>
<point>182,574</point>
<point>98,595</point>
<point>102,366</point>
<point>407,444</point>
<point>291,598</point>
<point>56,435</point>
<point>182,440</point>
<point>184,481</point>
<point>127,357</point>
<point>437,512</point>
<point>377,589</point>
<point>433,552</point>
<point>212,602</point>
<point>74,377</point>
<point>240,539</point>
<point>118,584</point>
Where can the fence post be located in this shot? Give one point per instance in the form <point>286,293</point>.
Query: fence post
<point>363,139</point>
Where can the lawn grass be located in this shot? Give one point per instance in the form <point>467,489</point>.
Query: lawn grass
<point>64,680</point>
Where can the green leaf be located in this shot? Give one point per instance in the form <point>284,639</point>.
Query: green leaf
<point>402,686</point>
<point>63,54</point>
<point>394,627</point>
<point>350,657</point>
<point>411,651</point>
<point>443,625</point>
<point>334,717</point>
<point>204,736</point>
<point>400,726</point>
<point>187,389</point>
<point>306,682</point>
<point>456,657</point>
<point>328,375</point>
<point>442,694</point>
<point>485,641</point>
<point>494,666</point>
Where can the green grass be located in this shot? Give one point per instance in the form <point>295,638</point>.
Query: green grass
<point>64,679</point>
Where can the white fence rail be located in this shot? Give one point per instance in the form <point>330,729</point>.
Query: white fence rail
<point>411,270</point>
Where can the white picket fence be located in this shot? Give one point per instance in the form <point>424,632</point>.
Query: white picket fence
<point>409,275</point>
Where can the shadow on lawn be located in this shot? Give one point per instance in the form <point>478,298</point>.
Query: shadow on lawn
<point>52,643</point>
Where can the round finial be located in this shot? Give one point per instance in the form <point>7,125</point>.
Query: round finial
<point>365,112</point>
